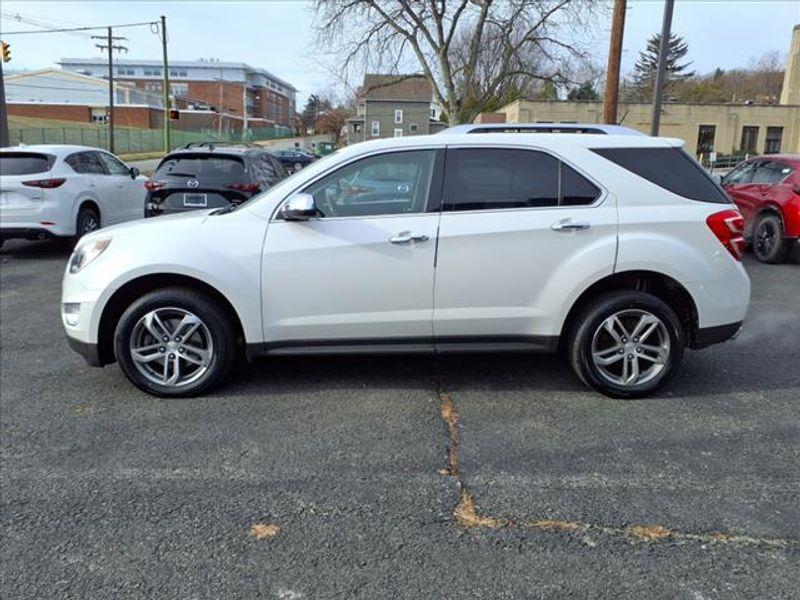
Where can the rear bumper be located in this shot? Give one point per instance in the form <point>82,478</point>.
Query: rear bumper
<point>90,352</point>
<point>707,336</point>
<point>27,233</point>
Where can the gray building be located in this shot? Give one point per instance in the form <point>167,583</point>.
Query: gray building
<point>392,106</point>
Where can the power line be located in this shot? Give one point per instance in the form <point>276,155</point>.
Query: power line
<point>73,29</point>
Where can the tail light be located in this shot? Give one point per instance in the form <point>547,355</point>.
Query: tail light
<point>728,226</point>
<point>45,183</point>
<point>151,185</point>
<point>250,188</point>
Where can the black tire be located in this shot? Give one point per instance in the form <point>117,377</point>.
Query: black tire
<point>768,243</point>
<point>88,221</point>
<point>217,324</point>
<point>590,320</point>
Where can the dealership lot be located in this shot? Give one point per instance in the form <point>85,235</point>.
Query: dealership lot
<point>108,492</point>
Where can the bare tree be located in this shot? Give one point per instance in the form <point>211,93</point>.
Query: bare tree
<point>475,53</point>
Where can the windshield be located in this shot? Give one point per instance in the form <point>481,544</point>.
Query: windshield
<point>24,163</point>
<point>202,166</point>
<point>317,166</point>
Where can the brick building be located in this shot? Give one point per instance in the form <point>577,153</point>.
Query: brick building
<point>230,88</point>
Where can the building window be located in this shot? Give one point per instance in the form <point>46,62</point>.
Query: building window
<point>398,116</point>
<point>398,132</point>
<point>705,138</point>
<point>772,145</point>
<point>413,127</point>
<point>152,87</point>
<point>125,71</point>
<point>749,139</point>
<point>376,128</point>
<point>179,89</point>
<point>177,73</point>
<point>152,72</point>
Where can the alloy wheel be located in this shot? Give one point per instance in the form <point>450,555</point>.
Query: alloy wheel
<point>89,224</point>
<point>630,347</point>
<point>171,347</point>
<point>765,239</point>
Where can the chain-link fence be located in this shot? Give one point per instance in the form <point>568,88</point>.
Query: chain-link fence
<point>129,141</point>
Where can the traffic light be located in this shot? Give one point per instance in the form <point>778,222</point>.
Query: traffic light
<point>174,114</point>
<point>6,52</point>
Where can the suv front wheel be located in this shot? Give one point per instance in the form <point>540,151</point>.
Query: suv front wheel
<point>626,344</point>
<point>175,342</point>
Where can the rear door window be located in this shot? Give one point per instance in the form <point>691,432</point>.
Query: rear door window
<point>203,167</point>
<point>86,163</point>
<point>24,163</point>
<point>670,168</point>
<point>497,178</point>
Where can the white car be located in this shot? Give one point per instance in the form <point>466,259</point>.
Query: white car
<point>65,191</point>
<point>618,249</point>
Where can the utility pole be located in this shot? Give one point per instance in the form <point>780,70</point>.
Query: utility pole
<point>110,46</point>
<point>244,108</point>
<point>611,97</point>
<point>167,134</point>
<point>658,89</point>
<point>4,138</point>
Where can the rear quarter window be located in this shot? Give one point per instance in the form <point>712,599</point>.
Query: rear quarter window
<point>670,168</point>
<point>25,163</point>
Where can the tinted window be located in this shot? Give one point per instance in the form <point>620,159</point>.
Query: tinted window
<point>24,163</point>
<point>202,166</point>
<point>576,190</point>
<point>493,178</point>
<point>114,166</point>
<point>86,162</point>
<point>385,184</point>
<point>669,168</point>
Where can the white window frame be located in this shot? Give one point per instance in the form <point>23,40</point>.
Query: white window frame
<point>375,128</point>
<point>398,132</point>
<point>414,127</point>
<point>398,116</point>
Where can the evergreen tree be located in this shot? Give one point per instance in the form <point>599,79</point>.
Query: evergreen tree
<point>585,91</point>
<point>644,73</point>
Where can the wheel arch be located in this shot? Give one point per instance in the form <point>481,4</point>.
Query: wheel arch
<point>658,284</point>
<point>129,292</point>
<point>87,202</point>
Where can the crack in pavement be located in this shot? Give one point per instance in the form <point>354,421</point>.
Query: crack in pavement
<point>467,515</point>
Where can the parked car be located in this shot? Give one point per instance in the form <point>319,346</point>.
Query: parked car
<point>767,191</point>
<point>210,175</point>
<point>49,191</point>
<point>619,249</point>
<point>294,160</point>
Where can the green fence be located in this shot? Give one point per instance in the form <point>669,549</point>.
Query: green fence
<point>128,141</point>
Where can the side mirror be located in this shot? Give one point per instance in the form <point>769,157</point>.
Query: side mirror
<point>299,207</point>
<point>134,172</point>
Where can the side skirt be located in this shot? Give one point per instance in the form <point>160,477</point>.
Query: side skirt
<point>446,345</point>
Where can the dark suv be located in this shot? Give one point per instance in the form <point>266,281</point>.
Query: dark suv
<point>210,175</point>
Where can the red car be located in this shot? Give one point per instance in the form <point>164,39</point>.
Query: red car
<point>767,191</point>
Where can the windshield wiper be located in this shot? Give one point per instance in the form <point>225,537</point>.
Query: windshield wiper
<point>225,209</point>
<point>171,174</point>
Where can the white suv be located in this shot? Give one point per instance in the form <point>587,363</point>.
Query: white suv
<point>618,249</point>
<point>65,191</point>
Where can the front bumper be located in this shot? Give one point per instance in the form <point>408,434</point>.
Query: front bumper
<point>26,233</point>
<point>90,352</point>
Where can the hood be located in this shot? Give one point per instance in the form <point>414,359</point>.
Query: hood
<point>190,219</point>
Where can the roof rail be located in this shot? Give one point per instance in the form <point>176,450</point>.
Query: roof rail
<point>211,144</point>
<point>596,128</point>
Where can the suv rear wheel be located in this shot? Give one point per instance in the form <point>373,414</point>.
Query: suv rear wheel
<point>626,344</point>
<point>175,342</point>
<point>88,221</point>
<point>768,243</point>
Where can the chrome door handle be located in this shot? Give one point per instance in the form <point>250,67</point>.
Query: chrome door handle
<point>405,237</point>
<point>570,225</point>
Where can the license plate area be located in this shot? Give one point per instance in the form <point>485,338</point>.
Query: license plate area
<point>195,200</point>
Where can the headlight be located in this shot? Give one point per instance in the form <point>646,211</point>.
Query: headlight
<point>86,253</point>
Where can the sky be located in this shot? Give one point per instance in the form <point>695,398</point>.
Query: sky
<point>277,35</point>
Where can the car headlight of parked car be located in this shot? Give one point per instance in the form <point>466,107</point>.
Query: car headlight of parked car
<point>86,253</point>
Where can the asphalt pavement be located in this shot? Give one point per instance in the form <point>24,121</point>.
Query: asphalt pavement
<point>489,476</point>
